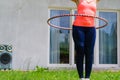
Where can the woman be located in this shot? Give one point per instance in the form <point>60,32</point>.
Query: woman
<point>84,34</point>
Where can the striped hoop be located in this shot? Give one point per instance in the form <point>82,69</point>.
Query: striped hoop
<point>83,15</point>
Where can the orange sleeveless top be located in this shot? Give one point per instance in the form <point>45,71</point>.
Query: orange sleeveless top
<point>88,8</point>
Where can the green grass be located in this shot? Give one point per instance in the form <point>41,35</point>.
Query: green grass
<point>43,74</point>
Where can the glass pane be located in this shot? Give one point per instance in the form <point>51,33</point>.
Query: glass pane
<point>108,39</point>
<point>59,39</point>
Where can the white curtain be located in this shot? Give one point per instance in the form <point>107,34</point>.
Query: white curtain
<point>54,40</point>
<point>59,38</point>
<point>108,39</point>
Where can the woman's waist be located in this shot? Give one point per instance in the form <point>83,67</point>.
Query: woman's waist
<point>84,22</point>
<point>85,27</point>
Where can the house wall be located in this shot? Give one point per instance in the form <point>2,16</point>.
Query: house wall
<point>23,25</point>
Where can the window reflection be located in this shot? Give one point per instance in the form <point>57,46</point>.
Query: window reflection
<point>59,39</point>
<point>108,39</point>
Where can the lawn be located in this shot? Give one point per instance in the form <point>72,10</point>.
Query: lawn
<point>44,74</point>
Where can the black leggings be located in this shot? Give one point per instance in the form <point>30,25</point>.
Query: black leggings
<point>84,39</point>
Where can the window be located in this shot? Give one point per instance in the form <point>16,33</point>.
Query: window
<point>108,39</point>
<point>59,39</point>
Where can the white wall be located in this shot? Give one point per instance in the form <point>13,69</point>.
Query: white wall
<point>103,4</point>
<point>23,25</point>
<point>61,3</point>
<point>109,4</point>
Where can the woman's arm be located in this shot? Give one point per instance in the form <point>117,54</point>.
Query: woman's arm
<point>76,1</point>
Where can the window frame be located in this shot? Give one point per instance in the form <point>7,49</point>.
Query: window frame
<point>71,49</point>
<point>97,43</point>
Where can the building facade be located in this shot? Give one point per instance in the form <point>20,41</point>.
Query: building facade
<point>24,25</point>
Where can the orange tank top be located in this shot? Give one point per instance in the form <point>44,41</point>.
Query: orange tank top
<point>88,8</point>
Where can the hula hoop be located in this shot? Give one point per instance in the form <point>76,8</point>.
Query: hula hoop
<point>83,15</point>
